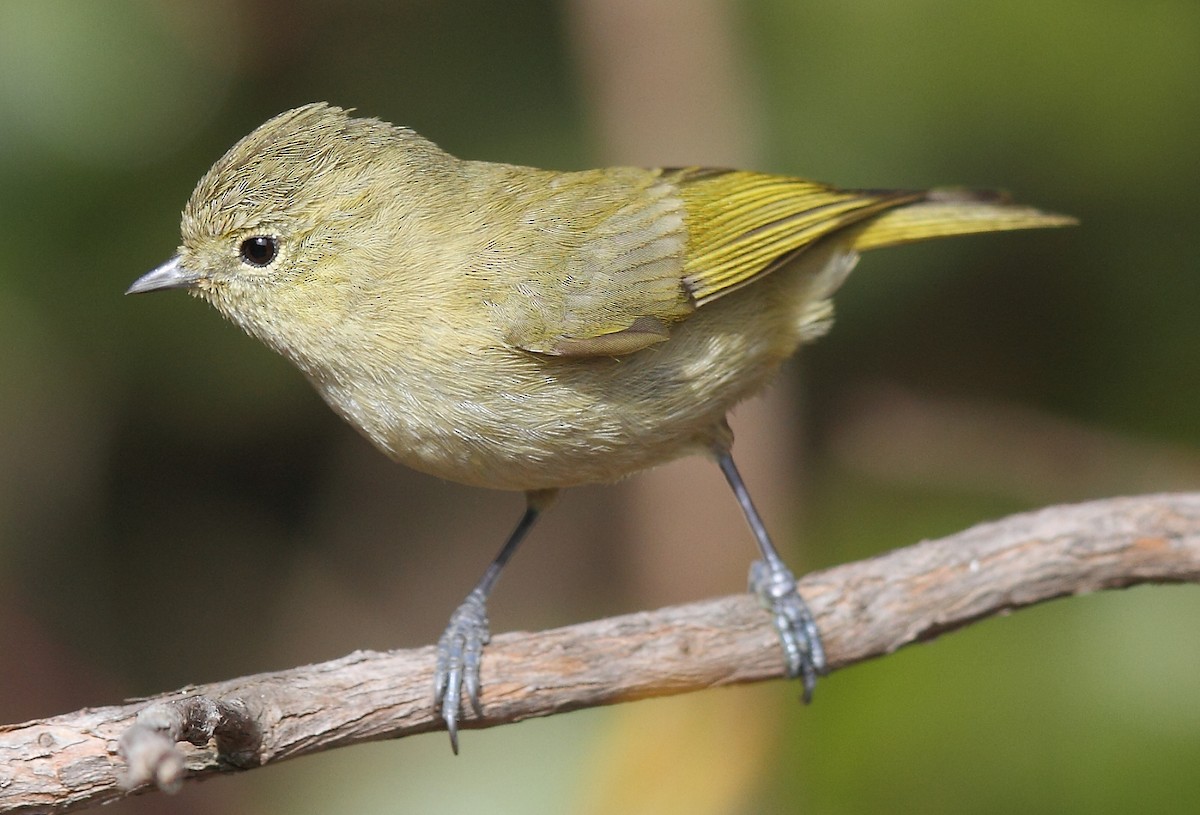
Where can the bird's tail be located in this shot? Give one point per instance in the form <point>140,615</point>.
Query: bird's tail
<point>946,212</point>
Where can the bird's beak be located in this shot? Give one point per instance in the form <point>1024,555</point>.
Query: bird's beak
<point>171,275</point>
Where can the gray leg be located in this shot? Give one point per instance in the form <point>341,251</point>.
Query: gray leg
<point>775,587</point>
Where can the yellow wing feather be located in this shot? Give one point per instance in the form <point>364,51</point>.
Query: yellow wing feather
<point>742,225</point>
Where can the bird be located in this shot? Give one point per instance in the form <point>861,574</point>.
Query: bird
<point>532,330</point>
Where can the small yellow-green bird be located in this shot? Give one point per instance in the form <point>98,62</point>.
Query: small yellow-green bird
<point>526,329</point>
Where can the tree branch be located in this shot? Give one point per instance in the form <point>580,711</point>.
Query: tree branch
<point>864,609</point>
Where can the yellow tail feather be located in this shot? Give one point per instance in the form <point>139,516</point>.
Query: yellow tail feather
<point>944,213</point>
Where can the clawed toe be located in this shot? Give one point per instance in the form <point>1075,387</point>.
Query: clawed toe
<point>804,656</point>
<point>459,654</point>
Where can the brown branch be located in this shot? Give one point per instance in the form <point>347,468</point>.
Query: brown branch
<point>864,609</point>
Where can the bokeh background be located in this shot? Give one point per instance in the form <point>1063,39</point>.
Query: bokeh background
<point>177,506</point>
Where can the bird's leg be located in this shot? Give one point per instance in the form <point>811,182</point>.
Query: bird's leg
<point>775,587</point>
<point>460,647</point>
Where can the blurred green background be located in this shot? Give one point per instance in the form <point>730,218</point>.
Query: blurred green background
<point>176,505</point>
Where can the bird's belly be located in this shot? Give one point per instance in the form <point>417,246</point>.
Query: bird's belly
<point>554,433</point>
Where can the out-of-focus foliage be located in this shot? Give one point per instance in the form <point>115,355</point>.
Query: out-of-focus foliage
<point>176,506</point>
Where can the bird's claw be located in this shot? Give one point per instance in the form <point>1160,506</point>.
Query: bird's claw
<point>459,652</point>
<point>804,656</point>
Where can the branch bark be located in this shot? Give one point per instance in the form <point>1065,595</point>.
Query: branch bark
<point>864,609</point>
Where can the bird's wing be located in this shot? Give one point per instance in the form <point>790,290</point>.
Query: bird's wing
<point>744,225</point>
<point>622,254</point>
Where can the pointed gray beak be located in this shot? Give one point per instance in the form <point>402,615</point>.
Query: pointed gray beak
<point>171,275</point>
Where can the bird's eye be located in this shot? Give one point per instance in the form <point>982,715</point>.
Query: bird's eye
<point>259,251</point>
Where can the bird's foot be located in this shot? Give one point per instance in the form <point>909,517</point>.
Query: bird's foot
<point>458,657</point>
<point>775,587</point>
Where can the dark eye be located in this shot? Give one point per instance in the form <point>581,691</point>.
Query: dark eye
<point>259,251</point>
